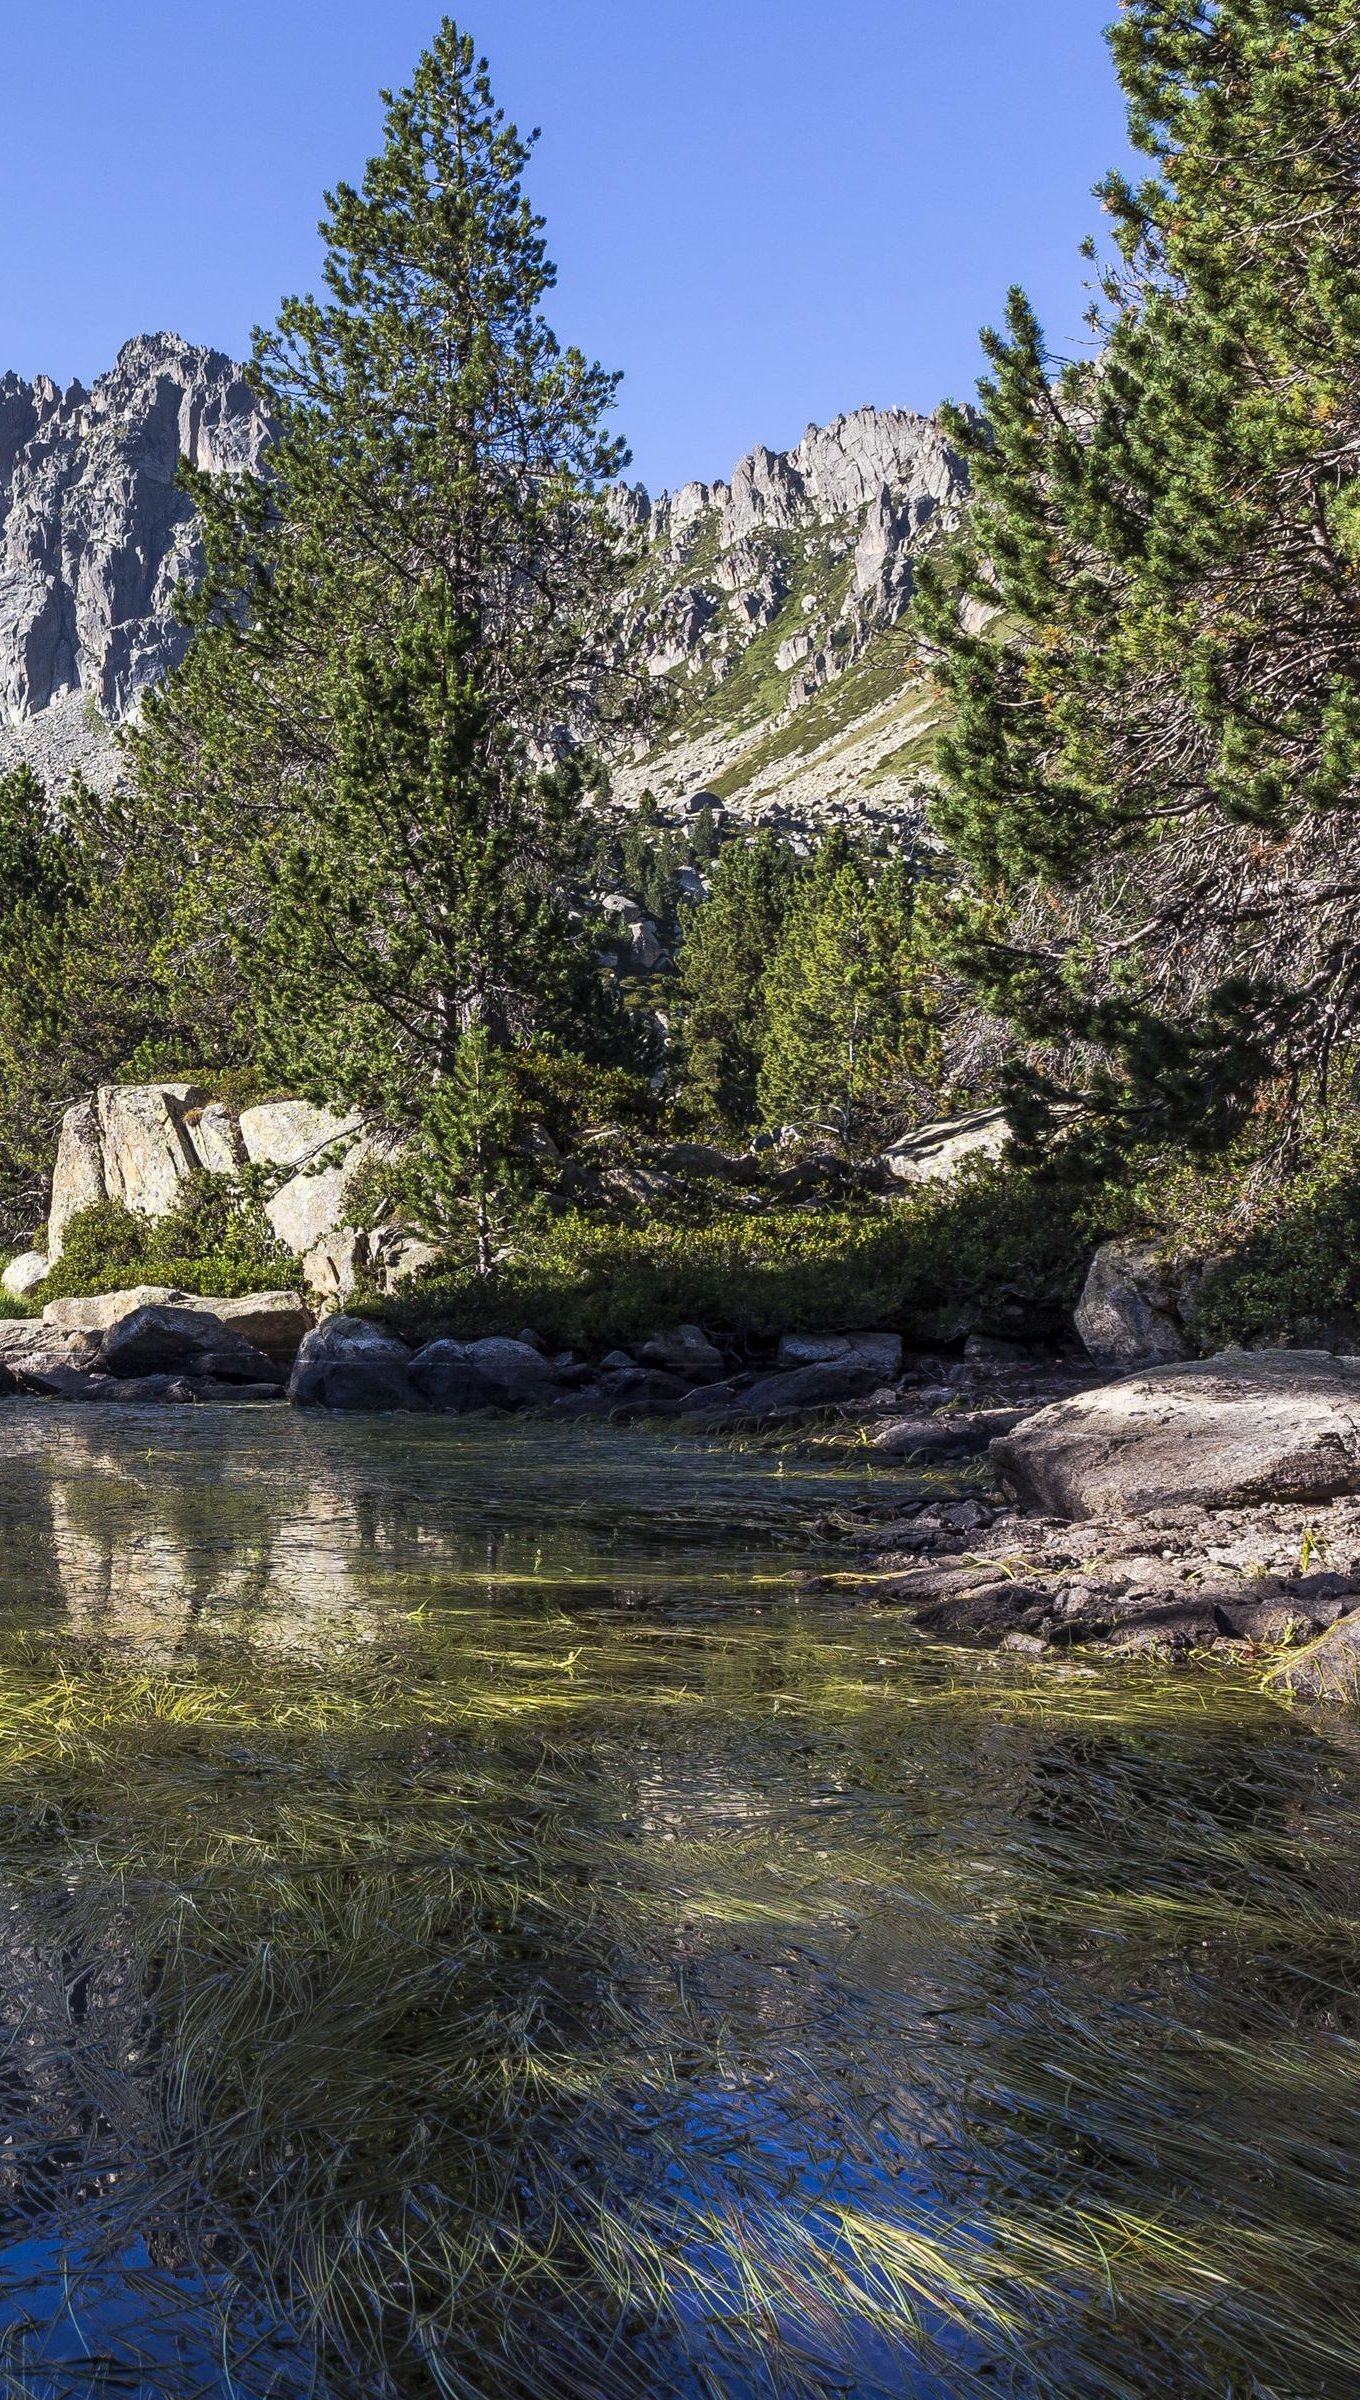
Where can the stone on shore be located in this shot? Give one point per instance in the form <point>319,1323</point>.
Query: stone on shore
<point>1128,1314</point>
<point>686,1352</point>
<point>1327,1669</point>
<point>1244,1428</point>
<point>274,1322</point>
<point>347,1363</point>
<point>880,1352</point>
<point>184,1341</point>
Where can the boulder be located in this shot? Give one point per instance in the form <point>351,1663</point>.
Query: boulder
<point>628,1392</point>
<point>688,1353</point>
<point>816,1386</point>
<point>447,1380</point>
<point>274,1322</point>
<point>215,1139</point>
<point>881,1351</point>
<point>347,1363</point>
<point>104,1309</point>
<point>307,1209</point>
<point>398,1254</point>
<point>24,1273</point>
<point>78,1176</point>
<point>1326,1669</point>
<point>1227,1432</point>
<point>286,1133</point>
<point>1128,1313</point>
<point>934,1153</point>
<point>332,1268</point>
<point>518,1375</point>
<point>145,1144</point>
<point>180,1341</point>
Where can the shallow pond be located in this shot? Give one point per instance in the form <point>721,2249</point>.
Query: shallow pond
<point>474,1925</point>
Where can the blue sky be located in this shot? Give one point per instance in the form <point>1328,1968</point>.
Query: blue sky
<point>764,211</point>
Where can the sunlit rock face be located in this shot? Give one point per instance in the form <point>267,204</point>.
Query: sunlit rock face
<point>95,536</point>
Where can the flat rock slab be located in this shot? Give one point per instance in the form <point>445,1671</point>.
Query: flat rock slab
<point>1242,1429</point>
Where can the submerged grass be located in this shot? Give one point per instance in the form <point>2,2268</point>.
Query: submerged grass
<point>527,1994</point>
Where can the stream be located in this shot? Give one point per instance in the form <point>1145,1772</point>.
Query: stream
<point>476,1920</point>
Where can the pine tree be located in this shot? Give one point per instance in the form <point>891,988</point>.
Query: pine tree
<point>372,755</point>
<point>1153,772</point>
<point>729,941</point>
<point>848,1045</point>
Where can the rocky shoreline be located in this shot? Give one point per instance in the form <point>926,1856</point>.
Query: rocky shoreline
<point>1202,1506</point>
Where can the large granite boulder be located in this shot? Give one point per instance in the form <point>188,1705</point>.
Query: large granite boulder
<point>184,1341</point>
<point>275,1322</point>
<point>1129,1312</point>
<point>1225,1432</point>
<point>448,1381</point>
<point>935,1153</point>
<point>347,1363</point>
<point>136,1143</point>
<point>78,1176</point>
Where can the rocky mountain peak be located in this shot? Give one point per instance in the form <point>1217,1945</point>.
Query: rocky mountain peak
<point>95,534</point>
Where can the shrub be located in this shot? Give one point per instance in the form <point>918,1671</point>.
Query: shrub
<point>216,1241</point>
<point>999,1251</point>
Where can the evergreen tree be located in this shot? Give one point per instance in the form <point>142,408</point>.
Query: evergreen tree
<point>89,992</point>
<point>729,940</point>
<point>1153,772</point>
<point>371,755</point>
<point>848,1045</point>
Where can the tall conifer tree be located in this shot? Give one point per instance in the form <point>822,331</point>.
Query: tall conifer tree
<point>1153,776</point>
<point>372,757</point>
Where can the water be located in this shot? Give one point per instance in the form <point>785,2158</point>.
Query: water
<point>472,1922</point>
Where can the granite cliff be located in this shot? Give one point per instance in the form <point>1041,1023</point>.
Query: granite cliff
<point>769,607</point>
<point>95,535</point>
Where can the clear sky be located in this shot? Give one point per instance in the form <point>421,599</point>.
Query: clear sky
<point>764,211</point>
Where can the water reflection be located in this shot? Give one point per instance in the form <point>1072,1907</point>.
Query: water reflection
<point>467,1929</point>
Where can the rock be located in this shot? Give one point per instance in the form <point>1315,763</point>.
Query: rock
<point>175,1341</point>
<point>275,1322</point>
<point>215,1139</point>
<point>881,1351</point>
<point>934,1153</point>
<point>308,1209</point>
<point>628,1392</point>
<point>398,1255</point>
<point>134,1143</point>
<point>447,1380</point>
<point>104,1309</point>
<point>1225,1432</point>
<point>96,533</point>
<point>289,1133</point>
<point>1326,1669</point>
<point>518,1374</point>
<point>347,1363</point>
<point>818,1386</point>
<point>965,1435</point>
<point>687,1353</point>
<point>78,1176</point>
<point>1128,1313</point>
<point>333,1267</point>
<point>24,1273</point>
<point>711,1165</point>
<point>145,1144</point>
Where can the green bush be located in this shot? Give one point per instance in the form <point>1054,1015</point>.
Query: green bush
<point>1289,1266</point>
<point>1000,1251</point>
<point>216,1241</point>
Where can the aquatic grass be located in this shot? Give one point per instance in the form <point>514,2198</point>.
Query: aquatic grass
<point>524,1992</point>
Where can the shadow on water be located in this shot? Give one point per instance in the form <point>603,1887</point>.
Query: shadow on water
<point>468,1928</point>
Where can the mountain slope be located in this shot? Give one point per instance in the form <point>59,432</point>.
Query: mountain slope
<point>766,609</point>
